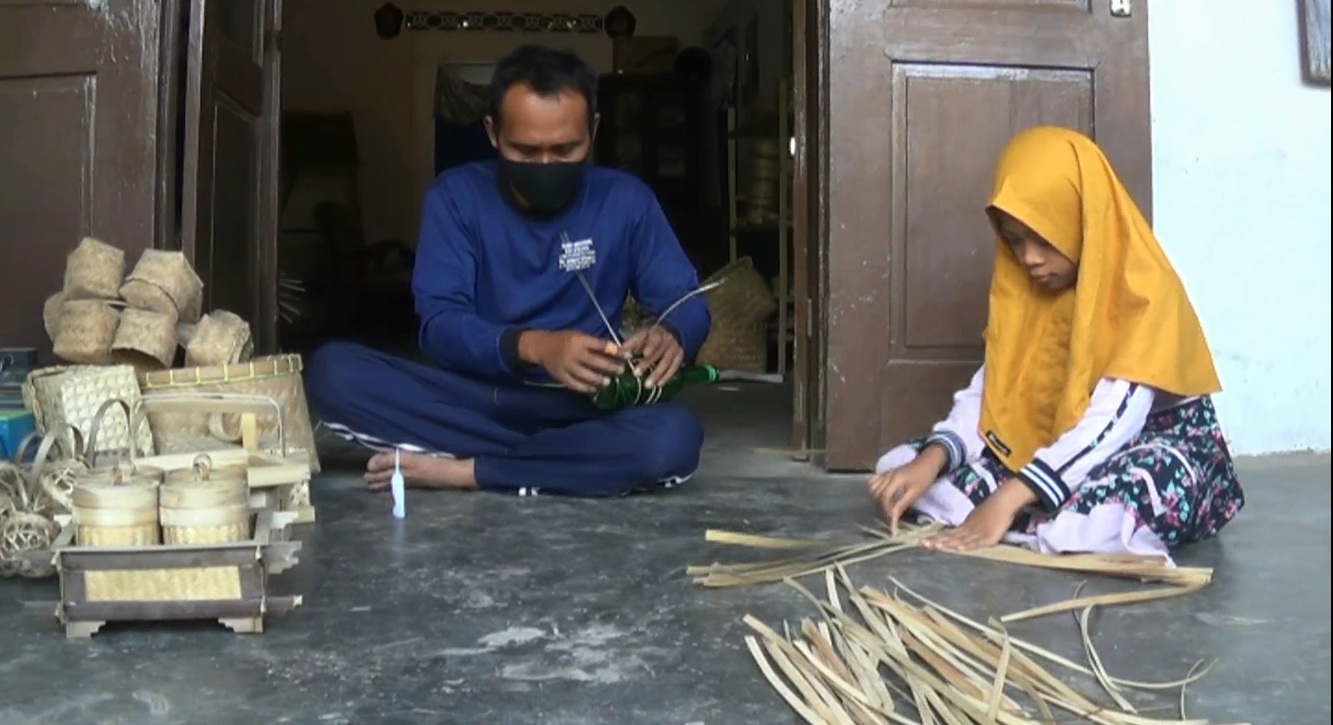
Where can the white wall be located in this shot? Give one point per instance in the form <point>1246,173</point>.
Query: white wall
<point>1242,204</point>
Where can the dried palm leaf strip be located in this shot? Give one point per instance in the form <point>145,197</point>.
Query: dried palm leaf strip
<point>995,635</point>
<point>834,666</point>
<point>820,556</point>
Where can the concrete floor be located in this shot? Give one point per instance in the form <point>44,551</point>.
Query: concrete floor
<point>489,609</point>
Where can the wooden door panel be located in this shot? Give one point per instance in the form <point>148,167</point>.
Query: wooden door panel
<point>232,264</point>
<point>228,220</point>
<point>944,179</point>
<point>910,250</point>
<point>78,90</point>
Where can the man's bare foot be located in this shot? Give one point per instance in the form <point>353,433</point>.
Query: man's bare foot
<point>421,471</point>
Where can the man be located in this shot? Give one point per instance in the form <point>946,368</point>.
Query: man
<point>517,343</point>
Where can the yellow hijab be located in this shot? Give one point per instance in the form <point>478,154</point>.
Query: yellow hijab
<point>1127,317</point>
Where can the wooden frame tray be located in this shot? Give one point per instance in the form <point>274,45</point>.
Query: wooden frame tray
<point>226,582</point>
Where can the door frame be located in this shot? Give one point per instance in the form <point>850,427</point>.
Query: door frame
<point>201,66</point>
<point>810,76</point>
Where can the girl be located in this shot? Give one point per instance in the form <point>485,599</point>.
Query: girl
<point>1089,428</point>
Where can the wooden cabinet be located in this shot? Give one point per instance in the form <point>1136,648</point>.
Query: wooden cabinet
<point>652,126</point>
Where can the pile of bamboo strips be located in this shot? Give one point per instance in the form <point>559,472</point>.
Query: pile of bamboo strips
<point>875,658</point>
<point>813,557</point>
<point>886,660</point>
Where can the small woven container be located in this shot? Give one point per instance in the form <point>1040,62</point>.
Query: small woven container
<point>20,533</point>
<point>94,270</point>
<point>145,340</point>
<point>221,338</point>
<point>205,506</point>
<point>51,310</point>
<point>116,511</point>
<point>86,332</point>
<point>164,282</point>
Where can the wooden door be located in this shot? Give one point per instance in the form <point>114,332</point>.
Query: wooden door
<point>926,95</point>
<point>229,188</point>
<point>809,80</point>
<point>78,110</point>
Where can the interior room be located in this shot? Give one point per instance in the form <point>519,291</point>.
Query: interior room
<point>378,99</point>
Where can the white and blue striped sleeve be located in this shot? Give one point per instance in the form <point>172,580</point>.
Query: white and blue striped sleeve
<point>959,433</point>
<point>1116,414</point>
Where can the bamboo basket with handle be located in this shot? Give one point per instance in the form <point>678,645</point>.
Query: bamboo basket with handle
<point>116,510</point>
<point>51,477</point>
<point>277,377</point>
<point>73,395</point>
<point>29,504</point>
<point>276,478</point>
<point>201,506</point>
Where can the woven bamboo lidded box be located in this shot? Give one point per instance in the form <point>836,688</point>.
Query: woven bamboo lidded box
<point>277,377</point>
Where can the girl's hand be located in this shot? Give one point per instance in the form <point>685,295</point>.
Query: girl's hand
<point>988,523</point>
<point>895,491</point>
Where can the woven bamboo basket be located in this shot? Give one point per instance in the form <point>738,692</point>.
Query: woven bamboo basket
<point>740,307</point>
<point>53,472</point>
<point>21,532</point>
<point>201,505</point>
<point>145,340</point>
<point>220,338</point>
<point>75,396</point>
<point>736,346</point>
<point>277,377</point>
<point>51,310</point>
<point>94,270</point>
<point>116,510</point>
<point>164,282</point>
<point>743,296</point>
<point>86,331</point>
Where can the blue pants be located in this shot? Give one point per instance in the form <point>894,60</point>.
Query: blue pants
<point>523,439</point>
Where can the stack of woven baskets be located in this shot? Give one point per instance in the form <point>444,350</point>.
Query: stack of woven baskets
<point>103,317</point>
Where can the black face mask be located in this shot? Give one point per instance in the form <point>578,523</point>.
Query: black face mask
<point>542,190</point>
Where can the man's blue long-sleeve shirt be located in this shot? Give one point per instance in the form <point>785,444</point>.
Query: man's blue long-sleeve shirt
<point>485,272</point>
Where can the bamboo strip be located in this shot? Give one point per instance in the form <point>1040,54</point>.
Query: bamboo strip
<point>869,643</point>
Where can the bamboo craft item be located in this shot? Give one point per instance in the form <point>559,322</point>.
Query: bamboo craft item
<point>276,479</point>
<point>94,271</point>
<point>73,396</point>
<point>817,556</point>
<point>205,507</point>
<point>116,505</point>
<point>874,658</point>
<point>193,431</point>
<point>227,582</point>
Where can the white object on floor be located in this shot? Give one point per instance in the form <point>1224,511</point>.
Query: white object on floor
<point>724,375</point>
<point>397,488</point>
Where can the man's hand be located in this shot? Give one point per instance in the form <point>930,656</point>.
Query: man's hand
<point>659,352</point>
<point>580,362</point>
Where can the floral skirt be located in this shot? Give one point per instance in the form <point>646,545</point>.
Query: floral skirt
<point>1172,485</point>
